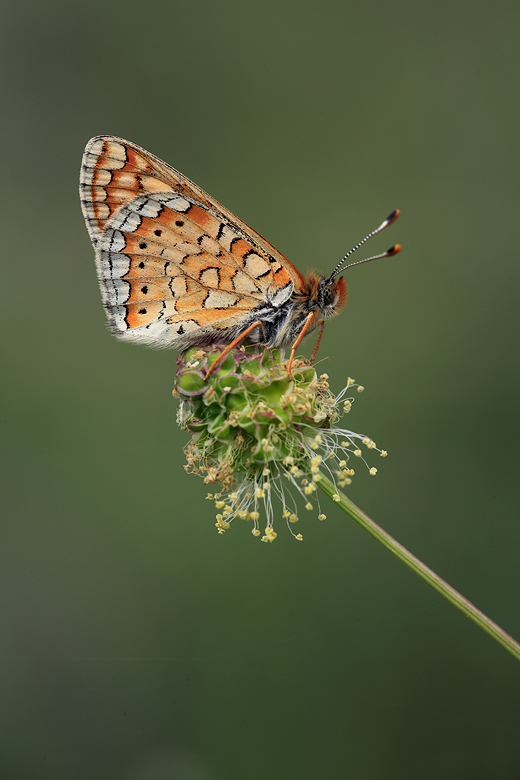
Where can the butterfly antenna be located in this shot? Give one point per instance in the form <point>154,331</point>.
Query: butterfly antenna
<point>392,251</point>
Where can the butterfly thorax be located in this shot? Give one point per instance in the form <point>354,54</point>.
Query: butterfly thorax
<point>316,295</point>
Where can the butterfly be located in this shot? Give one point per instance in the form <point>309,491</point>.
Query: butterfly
<point>177,269</point>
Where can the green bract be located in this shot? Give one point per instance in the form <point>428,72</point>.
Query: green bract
<point>249,412</point>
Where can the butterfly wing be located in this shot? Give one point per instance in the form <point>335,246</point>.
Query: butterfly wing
<point>175,267</point>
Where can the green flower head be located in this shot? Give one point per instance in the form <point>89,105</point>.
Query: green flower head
<point>263,435</point>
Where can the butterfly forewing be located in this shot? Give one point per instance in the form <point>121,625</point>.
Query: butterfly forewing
<point>174,265</point>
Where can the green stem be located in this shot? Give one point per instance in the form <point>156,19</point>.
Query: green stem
<point>429,576</point>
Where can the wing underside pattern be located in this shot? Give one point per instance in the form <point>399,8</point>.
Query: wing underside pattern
<point>174,266</point>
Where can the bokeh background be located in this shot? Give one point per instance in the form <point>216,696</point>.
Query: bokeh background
<point>137,644</point>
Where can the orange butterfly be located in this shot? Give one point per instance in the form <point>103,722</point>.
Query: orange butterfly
<point>176,268</point>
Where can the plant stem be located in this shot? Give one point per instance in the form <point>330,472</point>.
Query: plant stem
<point>429,576</point>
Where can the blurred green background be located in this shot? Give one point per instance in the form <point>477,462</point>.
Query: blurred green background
<point>137,644</point>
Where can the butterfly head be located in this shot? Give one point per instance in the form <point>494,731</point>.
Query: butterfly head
<point>327,296</point>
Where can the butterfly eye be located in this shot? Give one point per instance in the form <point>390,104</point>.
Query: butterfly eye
<point>329,295</point>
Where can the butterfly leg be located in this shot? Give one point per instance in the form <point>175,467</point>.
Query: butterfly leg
<point>321,325</point>
<point>301,334</point>
<point>234,343</point>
